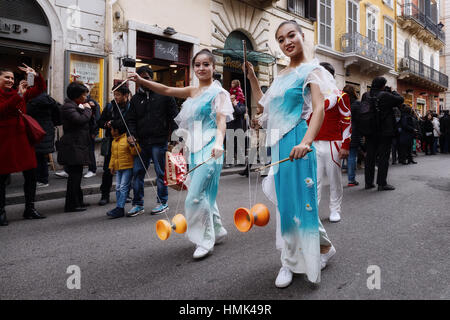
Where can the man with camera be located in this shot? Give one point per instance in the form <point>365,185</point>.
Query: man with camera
<point>379,141</point>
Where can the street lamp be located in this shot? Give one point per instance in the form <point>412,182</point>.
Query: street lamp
<point>169,31</point>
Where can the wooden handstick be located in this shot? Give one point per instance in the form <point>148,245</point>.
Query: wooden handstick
<point>199,165</point>
<point>120,85</point>
<point>274,164</point>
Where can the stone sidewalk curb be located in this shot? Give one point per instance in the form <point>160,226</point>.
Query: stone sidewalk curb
<point>46,194</point>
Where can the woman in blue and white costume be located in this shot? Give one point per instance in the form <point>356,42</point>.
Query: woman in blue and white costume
<point>202,122</point>
<point>296,95</point>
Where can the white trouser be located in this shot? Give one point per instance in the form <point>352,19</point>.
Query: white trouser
<point>329,164</point>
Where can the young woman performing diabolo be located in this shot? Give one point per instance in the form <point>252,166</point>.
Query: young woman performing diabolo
<point>299,91</point>
<point>203,115</point>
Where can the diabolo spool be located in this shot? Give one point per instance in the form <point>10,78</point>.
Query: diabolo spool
<point>244,219</point>
<point>164,227</point>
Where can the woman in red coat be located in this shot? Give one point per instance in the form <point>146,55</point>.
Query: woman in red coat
<point>17,155</point>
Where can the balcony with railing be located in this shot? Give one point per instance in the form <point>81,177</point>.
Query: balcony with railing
<point>421,25</point>
<point>417,72</point>
<point>260,3</point>
<point>369,54</point>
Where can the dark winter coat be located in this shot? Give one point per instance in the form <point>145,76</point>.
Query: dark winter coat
<point>111,113</point>
<point>151,117</point>
<point>46,111</point>
<point>387,101</point>
<point>16,152</point>
<point>73,147</point>
<point>238,121</point>
<point>445,125</point>
<point>355,141</point>
<point>407,129</point>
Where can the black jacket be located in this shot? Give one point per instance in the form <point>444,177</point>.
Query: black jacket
<point>445,125</point>
<point>93,127</point>
<point>73,147</point>
<point>355,141</point>
<point>238,121</point>
<point>46,111</point>
<point>111,113</point>
<point>151,117</point>
<point>407,128</point>
<point>387,101</point>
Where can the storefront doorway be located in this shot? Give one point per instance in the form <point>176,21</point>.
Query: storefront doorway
<point>168,58</point>
<point>25,37</point>
<point>232,69</point>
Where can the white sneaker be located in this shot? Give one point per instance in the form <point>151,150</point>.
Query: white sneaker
<point>62,174</point>
<point>324,258</point>
<point>335,217</point>
<point>221,235</point>
<point>284,278</point>
<point>41,185</point>
<point>89,174</point>
<point>200,252</point>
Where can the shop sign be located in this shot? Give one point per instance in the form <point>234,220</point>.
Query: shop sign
<point>24,31</point>
<point>166,50</point>
<point>236,65</point>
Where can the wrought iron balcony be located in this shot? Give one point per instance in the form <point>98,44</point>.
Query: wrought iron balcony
<point>424,72</point>
<point>357,44</point>
<point>410,11</point>
<point>261,3</point>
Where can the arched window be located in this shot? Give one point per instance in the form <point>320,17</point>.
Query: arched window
<point>406,50</point>
<point>421,60</point>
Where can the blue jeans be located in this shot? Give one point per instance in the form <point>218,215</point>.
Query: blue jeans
<point>352,157</point>
<point>435,144</point>
<point>123,183</point>
<point>157,152</point>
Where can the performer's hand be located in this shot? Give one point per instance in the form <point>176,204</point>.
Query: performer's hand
<point>217,152</point>
<point>135,77</point>
<point>299,151</point>
<point>343,154</point>
<point>250,70</point>
<point>131,140</point>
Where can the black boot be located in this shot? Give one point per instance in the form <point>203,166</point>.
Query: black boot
<point>104,200</point>
<point>3,221</point>
<point>31,213</point>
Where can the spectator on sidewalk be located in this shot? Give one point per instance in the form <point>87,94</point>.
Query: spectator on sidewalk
<point>436,133</point>
<point>379,142</point>
<point>428,134</point>
<point>113,111</point>
<point>121,164</point>
<point>151,121</point>
<point>445,131</point>
<point>93,132</point>
<point>406,136</point>
<point>73,148</point>
<point>17,154</point>
<point>355,140</point>
<point>46,111</point>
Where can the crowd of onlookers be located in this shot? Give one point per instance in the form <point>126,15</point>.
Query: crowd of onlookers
<point>137,130</point>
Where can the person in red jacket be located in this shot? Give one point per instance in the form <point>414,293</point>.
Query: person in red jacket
<point>18,154</point>
<point>332,145</point>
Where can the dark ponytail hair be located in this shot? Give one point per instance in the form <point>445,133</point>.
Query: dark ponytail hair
<point>207,53</point>
<point>2,69</point>
<point>293,22</point>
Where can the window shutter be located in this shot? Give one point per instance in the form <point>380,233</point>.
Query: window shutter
<point>291,5</point>
<point>311,9</point>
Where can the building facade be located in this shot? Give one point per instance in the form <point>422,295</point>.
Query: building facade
<point>358,38</point>
<point>444,11</point>
<point>62,39</point>
<point>420,39</point>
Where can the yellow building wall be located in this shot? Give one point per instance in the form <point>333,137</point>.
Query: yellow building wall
<point>340,20</point>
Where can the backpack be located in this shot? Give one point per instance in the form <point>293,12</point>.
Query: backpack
<point>369,116</point>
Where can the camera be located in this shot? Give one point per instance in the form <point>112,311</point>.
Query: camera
<point>129,62</point>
